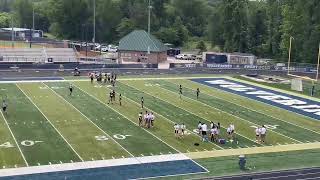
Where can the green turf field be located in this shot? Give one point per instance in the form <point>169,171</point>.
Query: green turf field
<point>45,125</point>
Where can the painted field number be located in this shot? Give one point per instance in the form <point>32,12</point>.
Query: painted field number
<point>102,138</point>
<point>6,145</point>
<point>116,136</point>
<point>267,126</point>
<point>26,143</point>
<point>151,85</point>
<point>29,143</point>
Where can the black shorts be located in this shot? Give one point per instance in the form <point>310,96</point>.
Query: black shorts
<point>70,89</point>
<point>257,135</point>
<point>176,131</point>
<point>4,108</point>
<point>204,133</point>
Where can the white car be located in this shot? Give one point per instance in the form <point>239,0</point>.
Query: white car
<point>112,48</point>
<point>185,57</point>
<point>104,48</point>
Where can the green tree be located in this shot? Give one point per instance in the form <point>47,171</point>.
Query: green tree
<point>5,20</point>
<point>23,12</point>
<point>70,18</point>
<point>202,46</point>
<point>125,27</point>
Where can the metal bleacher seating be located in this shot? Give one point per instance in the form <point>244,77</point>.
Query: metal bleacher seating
<point>37,55</point>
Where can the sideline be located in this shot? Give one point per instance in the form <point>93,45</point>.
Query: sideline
<point>255,150</point>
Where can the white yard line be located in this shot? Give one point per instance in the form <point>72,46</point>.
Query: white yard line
<point>232,115</point>
<point>188,111</point>
<point>170,120</point>
<point>15,140</point>
<point>88,119</point>
<point>51,123</point>
<point>138,125</point>
<point>207,93</point>
<point>91,164</point>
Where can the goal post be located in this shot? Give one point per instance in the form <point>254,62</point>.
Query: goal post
<point>297,81</point>
<point>296,84</point>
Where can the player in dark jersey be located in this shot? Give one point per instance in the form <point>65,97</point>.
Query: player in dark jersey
<point>120,99</point>
<point>4,106</point>
<point>114,95</point>
<point>91,78</point>
<point>180,90</point>
<point>198,93</point>
<point>70,89</point>
<point>110,98</point>
<point>142,102</point>
<point>140,119</point>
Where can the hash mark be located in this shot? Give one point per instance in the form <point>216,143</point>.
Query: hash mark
<point>112,157</point>
<point>39,164</point>
<point>60,162</point>
<point>49,163</point>
<point>71,161</point>
<point>141,154</point>
<point>123,157</point>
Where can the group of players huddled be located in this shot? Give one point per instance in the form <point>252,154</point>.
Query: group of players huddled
<point>146,120</point>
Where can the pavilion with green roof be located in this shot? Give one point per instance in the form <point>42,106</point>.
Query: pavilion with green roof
<point>139,46</point>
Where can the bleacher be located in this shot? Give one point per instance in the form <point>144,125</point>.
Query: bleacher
<point>37,55</point>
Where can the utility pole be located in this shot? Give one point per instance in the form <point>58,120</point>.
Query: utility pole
<point>149,16</point>
<point>94,22</point>
<point>289,59</point>
<point>318,64</point>
<point>12,32</point>
<point>33,19</point>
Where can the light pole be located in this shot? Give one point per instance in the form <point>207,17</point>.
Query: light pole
<point>149,16</point>
<point>12,32</point>
<point>94,22</point>
<point>289,59</point>
<point>318,63</point>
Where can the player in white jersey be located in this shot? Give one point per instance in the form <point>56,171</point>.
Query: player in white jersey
<point>152,117</point>
<point>258,134</point>
<point>199,128</point>
<point>213,134</point>
<point>204,129</point>
<point>182,128</point>
<point>145,118</point>
<point>263,134</point>
<point>176,130</point>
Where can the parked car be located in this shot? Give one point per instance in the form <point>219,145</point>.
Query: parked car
<point>104,48</point>
<point>186,57</point>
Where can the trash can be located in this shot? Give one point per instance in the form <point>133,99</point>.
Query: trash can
<point>242,162</point>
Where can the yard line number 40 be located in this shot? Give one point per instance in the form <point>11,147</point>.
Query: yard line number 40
<point>26,143</point>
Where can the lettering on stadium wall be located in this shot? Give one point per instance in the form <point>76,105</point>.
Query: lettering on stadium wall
<point>285,101</point>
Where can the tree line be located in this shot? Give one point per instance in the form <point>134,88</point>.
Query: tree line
<point>261,27</point>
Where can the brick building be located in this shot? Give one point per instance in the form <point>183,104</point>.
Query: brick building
<point>139,46</point>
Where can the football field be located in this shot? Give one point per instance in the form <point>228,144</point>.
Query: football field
<point>45,125</point>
